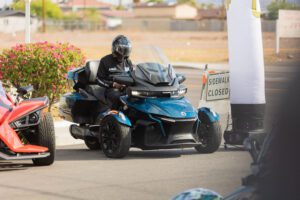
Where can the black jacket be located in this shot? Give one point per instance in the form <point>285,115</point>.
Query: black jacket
<point>109,64</point>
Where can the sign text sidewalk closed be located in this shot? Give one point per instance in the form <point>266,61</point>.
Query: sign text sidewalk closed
<point>217,87</point>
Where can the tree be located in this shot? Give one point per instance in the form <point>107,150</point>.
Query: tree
<point>53,11</point>
<point>92,14</point>
<point>210,6</point>
<point>191,2</point>
<point>155,1</point>
<point>275,6</point>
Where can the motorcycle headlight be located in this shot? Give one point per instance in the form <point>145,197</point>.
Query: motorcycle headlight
<point>142,94</point>
<point>178,93</point>
<point>181,92</point>
<point>29,120</point>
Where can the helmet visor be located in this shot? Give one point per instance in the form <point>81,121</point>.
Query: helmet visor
<point>124,50</point>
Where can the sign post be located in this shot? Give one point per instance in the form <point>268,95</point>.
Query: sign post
<point>27,21</point>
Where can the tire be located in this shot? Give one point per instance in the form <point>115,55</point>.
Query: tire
<point>115,138</point>
<point>46,138</point>
<point>209,134</point>
<point>92,143</point>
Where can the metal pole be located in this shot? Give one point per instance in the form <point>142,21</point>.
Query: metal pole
<point>27,21</point>
<point>44,16</point>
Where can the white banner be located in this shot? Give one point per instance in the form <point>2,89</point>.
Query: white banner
<point>247,80</point>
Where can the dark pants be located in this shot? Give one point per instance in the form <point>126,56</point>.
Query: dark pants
<point>113,97</point>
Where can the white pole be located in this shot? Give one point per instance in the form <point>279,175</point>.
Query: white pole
<point>27,21</point>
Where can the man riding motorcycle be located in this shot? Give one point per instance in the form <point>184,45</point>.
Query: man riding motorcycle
<point>119,61</point>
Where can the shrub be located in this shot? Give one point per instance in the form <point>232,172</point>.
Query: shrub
<point>53,11</point>
<point>43,65</point>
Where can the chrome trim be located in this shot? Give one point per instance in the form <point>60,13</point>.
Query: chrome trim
<point>173,120</point>
<point>23,156</point>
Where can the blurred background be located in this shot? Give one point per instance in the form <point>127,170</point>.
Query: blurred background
<point>182,32</point>
<point>193,31</point>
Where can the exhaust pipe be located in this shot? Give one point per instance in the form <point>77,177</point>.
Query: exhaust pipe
<point>81,132</point>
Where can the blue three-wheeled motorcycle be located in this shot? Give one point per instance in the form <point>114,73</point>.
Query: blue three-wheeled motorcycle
<point>154,115</point>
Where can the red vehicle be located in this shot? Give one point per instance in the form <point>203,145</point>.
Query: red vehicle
<point>26,128</point>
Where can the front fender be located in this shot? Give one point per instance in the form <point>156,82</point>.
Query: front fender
<point>121,118</point>
<point>213,116</point>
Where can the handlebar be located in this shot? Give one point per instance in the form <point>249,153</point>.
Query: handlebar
<point>123,79</point>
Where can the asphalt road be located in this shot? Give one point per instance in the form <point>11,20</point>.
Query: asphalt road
<point>79,173</point>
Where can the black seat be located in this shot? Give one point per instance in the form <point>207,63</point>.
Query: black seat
<point>91,69</point>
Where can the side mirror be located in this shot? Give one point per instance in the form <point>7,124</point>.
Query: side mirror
<point>24,90</point>
<point>181,78</point>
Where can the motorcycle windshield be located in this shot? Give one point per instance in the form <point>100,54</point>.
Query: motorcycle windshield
<point>155,73</point>
<point>5,104</point>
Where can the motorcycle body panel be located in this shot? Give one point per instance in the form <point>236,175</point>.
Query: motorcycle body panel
<point>169,107</point>
<point>11,113</point>
<point>213,116</point>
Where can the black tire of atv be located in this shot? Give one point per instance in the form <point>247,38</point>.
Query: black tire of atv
<point>46,138</point>
<point>214,137</point>
<point>92,144</point>
<point>124,135</point>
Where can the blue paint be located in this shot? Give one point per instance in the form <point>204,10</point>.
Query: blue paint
<point>71,98</point>
<point>179,108</point>
<point>73,74</point>
<point>120,117</point>
<point>213,116</point>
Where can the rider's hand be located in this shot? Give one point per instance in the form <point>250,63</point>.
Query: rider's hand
<point>118,86</point>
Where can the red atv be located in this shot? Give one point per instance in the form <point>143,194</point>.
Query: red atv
<point>26,128</point>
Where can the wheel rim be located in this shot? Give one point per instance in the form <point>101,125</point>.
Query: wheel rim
<point>110,138</point>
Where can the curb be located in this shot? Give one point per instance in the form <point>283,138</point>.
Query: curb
<point>62,134</point>
<point>211,66</point>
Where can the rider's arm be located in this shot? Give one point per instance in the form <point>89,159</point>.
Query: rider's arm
<point>103,76</point>
<point>129,63</point>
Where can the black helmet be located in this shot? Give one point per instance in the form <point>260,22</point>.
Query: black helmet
<point>121,47</point>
